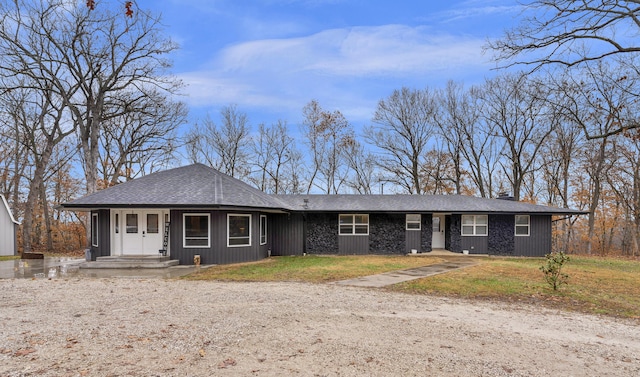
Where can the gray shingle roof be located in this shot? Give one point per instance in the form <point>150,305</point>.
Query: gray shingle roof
<point>415,203</point>
<point>199,186</point>
<point>195,185</point>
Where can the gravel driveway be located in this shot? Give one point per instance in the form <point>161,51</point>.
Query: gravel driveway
<point>133,327</point>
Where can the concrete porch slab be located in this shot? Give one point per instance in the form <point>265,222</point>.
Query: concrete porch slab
<point>130,261</point>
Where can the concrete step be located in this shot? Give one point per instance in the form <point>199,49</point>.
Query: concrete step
<point>133,258</point>
<point>130,261</point>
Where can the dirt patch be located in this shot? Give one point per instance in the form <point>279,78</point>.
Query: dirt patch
<point>114,327</point>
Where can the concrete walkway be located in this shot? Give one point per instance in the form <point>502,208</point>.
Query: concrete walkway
<point>395,277</point>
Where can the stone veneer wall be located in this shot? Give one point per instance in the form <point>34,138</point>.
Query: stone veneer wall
<point>387,233</point>
<point>453,233</point>
<point>322,233</point>
<point>501,234</point>
<point>426,232</point>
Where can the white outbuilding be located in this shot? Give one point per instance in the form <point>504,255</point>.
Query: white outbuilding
<point>8,229</point>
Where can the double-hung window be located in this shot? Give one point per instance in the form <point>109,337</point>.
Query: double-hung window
<point>354,225</point>
<point>474,225</point>
<point>413,221</point>
<point>238,230</point>
<point>197,232</point>
<point>523,225</point>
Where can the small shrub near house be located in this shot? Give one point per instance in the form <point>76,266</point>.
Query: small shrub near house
<point>552,269</point>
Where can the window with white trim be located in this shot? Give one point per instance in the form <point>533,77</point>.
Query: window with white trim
<point>523,225</point>
<point>196,231</point>
<point>94,229</point>
<point>353,224</point>
<point>263,230</point>
<point>238,230</point>
<point>413,221</point>
<point>474,225</point>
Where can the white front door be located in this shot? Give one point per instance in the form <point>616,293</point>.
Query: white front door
<point>437,238</point>
<point>141,232</point>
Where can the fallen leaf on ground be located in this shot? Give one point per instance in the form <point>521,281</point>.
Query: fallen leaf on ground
<point>24,352</point>
<point>227,363</point>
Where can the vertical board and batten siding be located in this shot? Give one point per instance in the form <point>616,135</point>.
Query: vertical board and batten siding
<point>286,232</point>
<point>218,252</point>
<point>353,245</point>
<point>538,243</point>
<point>475,244</point>
<point>104,234</point>
<point>414,240</point>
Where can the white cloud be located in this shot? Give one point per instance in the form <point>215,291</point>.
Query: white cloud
<point>390,50</point>
<point>348,68</point>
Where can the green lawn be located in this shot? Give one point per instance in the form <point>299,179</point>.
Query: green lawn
<point>596,285</point>
<point>315,269</point>
<point>9,257</point>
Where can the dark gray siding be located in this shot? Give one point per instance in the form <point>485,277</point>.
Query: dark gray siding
<point>322,233</point>
<point>387,234</point>
<point>104,235</point>
<point>539,241</point>
<point>353,245</point>
<point>453,233</point>
<point>475,244</point>
<point>427,232</point>
<point>218,253</point>
<point>501,234</point>
<point>286,234</point>
<point>413,240</point>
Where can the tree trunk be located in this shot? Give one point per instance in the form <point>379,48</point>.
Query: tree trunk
<point>34,193</point>
<point>47,217</point>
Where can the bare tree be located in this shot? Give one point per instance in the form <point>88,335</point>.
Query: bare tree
<point>38,115</point>
<point>362,166</point>
<point>516,108</point>
<point>327,135</point>
<point>468,138</point>
<point>624,179</point>
<point>440,175</point>
<point>571,32</point>
<point>602,100</point>
<point>13,156</point>
<point>142,140</point>
<point>404,126</point>
<point>226,146</point>
<point>273,150</point>
<point>88,57</point>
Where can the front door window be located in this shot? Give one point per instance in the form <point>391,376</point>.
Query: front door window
<point>152,223</point>
<point>132,223</point>
<point>436,224</point>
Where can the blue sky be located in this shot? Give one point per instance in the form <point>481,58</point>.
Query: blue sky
<point>272,57</point>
